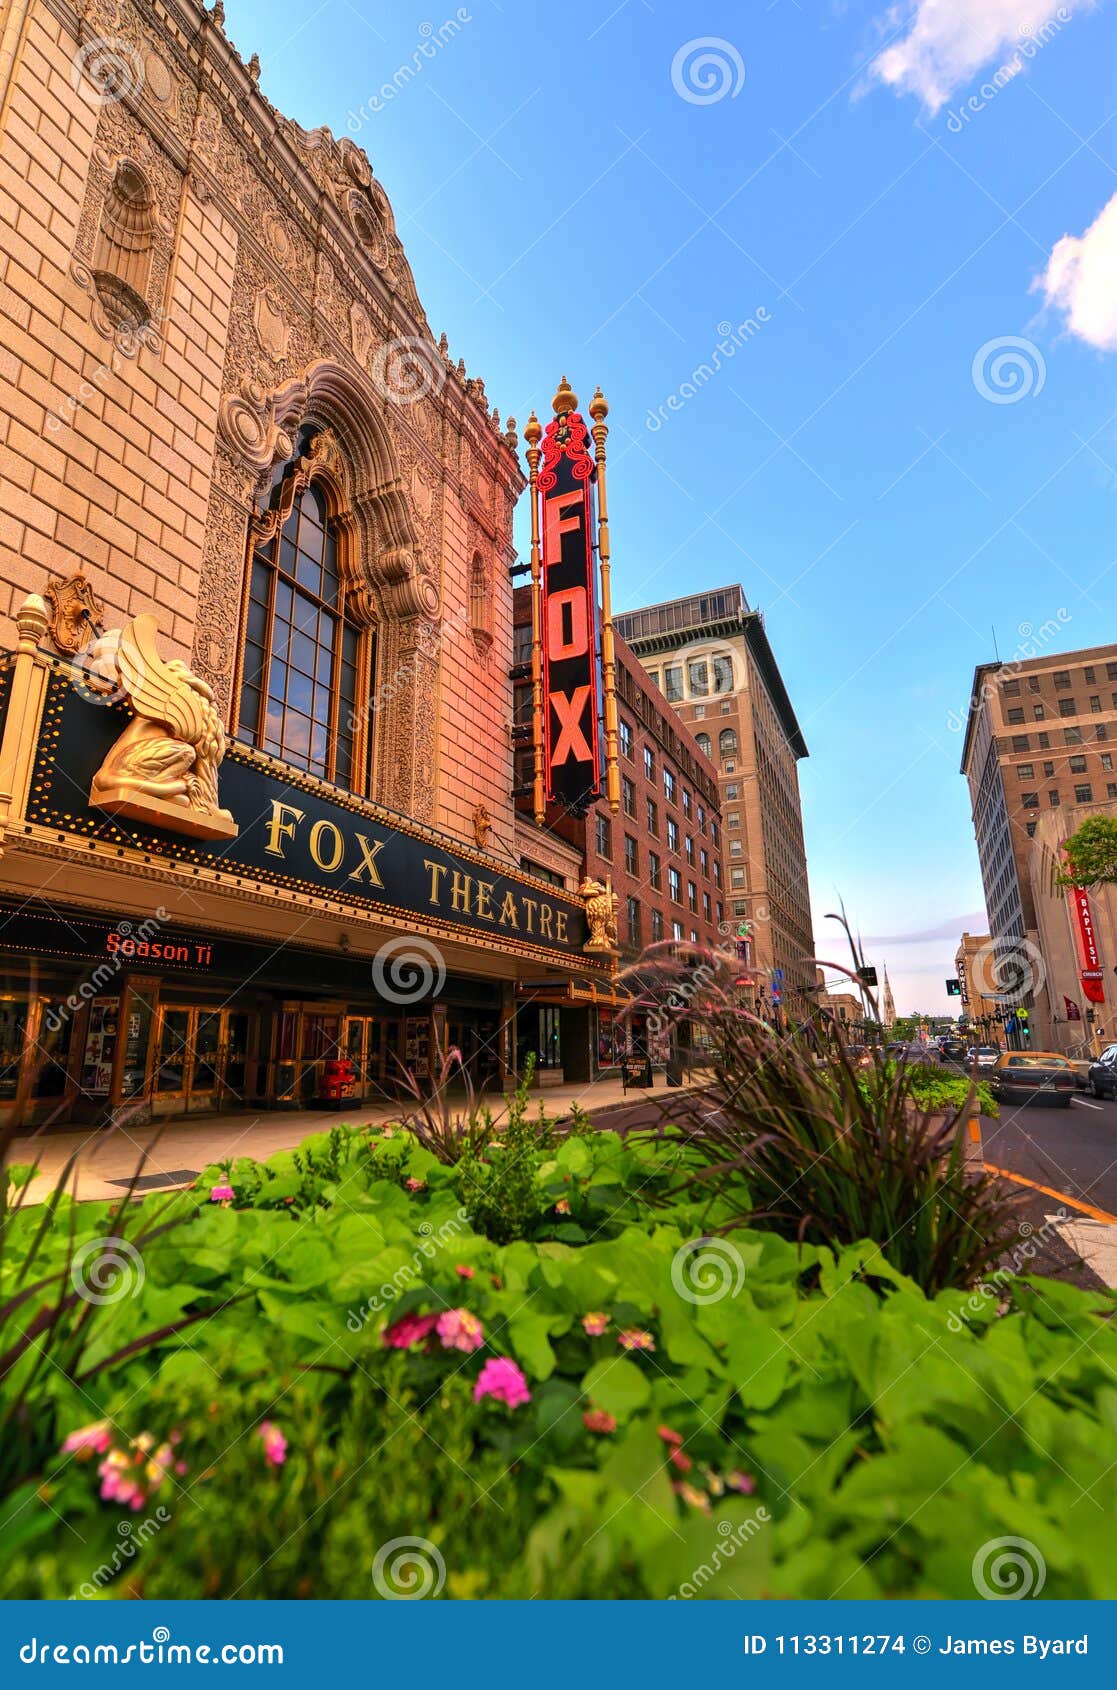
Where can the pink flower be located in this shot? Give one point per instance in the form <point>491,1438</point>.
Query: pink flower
<point>596,1420</point>
<point>161,1463</point>
<point>275,1444</point>
<point>88,1440</point>
<point>117,1483</point>
<point>464,1271</point>
<point>222,1194</point>
<point>743,1482</point>
<point>460,1330</point>
<point>668,1436</point>
<point>679,1458</point>
<point>412,1329</point>
<point>635,1339</point>
<point>594,1324</point>
<point>502,1380</point>
<point>416,1185</point>
<point>562,1207</point>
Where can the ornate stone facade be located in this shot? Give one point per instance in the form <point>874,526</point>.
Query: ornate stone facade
<point>204,279</point>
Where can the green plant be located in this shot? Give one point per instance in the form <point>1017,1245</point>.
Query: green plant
<point>1090,854</point>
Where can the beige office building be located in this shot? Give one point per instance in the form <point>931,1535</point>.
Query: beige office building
<point>972,968</point>
<point>1040,740</point>
<point>709,655</point>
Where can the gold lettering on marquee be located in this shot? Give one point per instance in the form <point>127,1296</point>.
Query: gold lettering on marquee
<point>437,871</point>
<point>316,833</point>
<point>560,927</point>
<point>459,891</point>
<point>530,907</point>
<point>508,911</point>
<point>279,828</point>
<point>367,864</point>
<point>485,890</point>
<point>545,913</point>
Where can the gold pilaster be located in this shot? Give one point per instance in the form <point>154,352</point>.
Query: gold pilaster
<point>25,704</point>
<point>533,434</point>
<point>599,410</point>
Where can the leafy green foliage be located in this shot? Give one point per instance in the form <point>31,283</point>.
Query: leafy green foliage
<point>1091,853</point>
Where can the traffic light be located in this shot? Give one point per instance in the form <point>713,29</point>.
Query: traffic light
<point>867,976</point>
<point>954,988</point>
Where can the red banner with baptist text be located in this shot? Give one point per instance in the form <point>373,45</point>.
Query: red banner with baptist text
<point>572,686</point>
<point>1089,958</point>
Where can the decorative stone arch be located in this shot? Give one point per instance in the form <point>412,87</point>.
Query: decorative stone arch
<point>259,430</point>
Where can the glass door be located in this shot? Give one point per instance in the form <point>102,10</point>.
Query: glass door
<point>203,1057</point>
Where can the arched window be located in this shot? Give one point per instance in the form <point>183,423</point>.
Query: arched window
<point>704,744</point>
<point>125,240</point>
<point>727,742</point>
<point>480,604</point>
<point>303,658</point>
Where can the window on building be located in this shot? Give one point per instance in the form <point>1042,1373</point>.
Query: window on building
<point>1089,674</point>
<point>736,848</point>
<point>729,768</point>
<point>480,600</point>
<point>692,897</point>
<point>670,786</point>
<point>657,927</point>
<point>1025,771</point>
<point>704,862</point>
<point>1053,799</point>
<point>698,677</point>
<point>654,879</point>
<point>1072,736</point>
<point>714,833</point>
<point>1032,830</point>
<point>1107,761</point>
<point>1101,731</point>
<point>653,818</point>
<point>1011,689</point>
<point>1020,742</point>
<point>1084,794</point>
<point>1016,716</point>
<point>1030,800</point>
<point>674,885</point>
<point>1049,771</point>
<point>1078,765</point>
<point>677,931</point>
<point>727,742</point>
<point>723,674</point>
<point>1043,741</point>
<point>703,744</point>
<point>1038,712</point>
<point>1111,789</point>
<point>306,657</point>
<point>688,849</point>
<point>633,911</point>
<point>717,872</point>
<point>653,676</point>
<point>706,906</point>
<point>521,643</point>
<point>1095,705</point>
<point>1067,707</point>
<point>737,878</point>
<point>631,857</point>
<point>603,836</point>
<point>672,834</point>
<point>726,707</point>
<point>628,796</point>
<point>673,683</point>
<point>699,712</point>
<point>733,791</point>
<point>740,907</point>
<point>625,733</point>
<point>701,818</point>
<point>686,803</point>
<point>733,819</point>
<point>649,762</point>
<point>1062,677</point>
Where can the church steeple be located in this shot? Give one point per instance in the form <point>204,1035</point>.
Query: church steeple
<point>889,1002</point>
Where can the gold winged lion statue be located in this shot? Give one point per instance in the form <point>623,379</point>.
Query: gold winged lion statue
<point>163,768</point>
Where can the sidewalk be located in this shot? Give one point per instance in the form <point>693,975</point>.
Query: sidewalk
<point>178,1149</point>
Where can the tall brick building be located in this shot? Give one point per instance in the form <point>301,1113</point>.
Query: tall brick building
<point>710,656</point>
<point>662,852</point>
<point>255,535</point>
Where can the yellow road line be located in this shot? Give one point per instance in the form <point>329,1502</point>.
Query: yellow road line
<point>1075,1203</point>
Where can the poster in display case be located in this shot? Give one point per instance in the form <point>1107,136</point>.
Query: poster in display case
<point>100,1046</point>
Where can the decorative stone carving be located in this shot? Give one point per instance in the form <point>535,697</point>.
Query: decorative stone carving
<point>272,330</point>
<point>75,613</point>
<point>158,79</point>
<point>362,331</point>
<point>482,825</point>
<point>163,768</point>
<point>602,905</point>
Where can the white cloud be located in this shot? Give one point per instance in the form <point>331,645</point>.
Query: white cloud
<point>1081,280</point>
<point>948,41</point>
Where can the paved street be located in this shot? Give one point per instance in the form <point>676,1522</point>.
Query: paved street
<point>1071,1150</point>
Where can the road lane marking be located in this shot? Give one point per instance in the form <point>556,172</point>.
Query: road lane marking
<point>1049,1191</point>
<point>975,1131</point>
<point>1085,1102</point>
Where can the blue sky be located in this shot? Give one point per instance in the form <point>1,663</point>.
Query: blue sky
<point>885,190</point>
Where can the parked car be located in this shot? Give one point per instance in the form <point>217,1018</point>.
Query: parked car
<point>952,1050</point>
<point>1080,1067</point>
<point>1102,1078</point>
<point>1033,1076</point>
<point>983,1056</point>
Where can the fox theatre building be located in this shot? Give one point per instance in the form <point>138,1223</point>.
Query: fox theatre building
<point>257,831</point>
